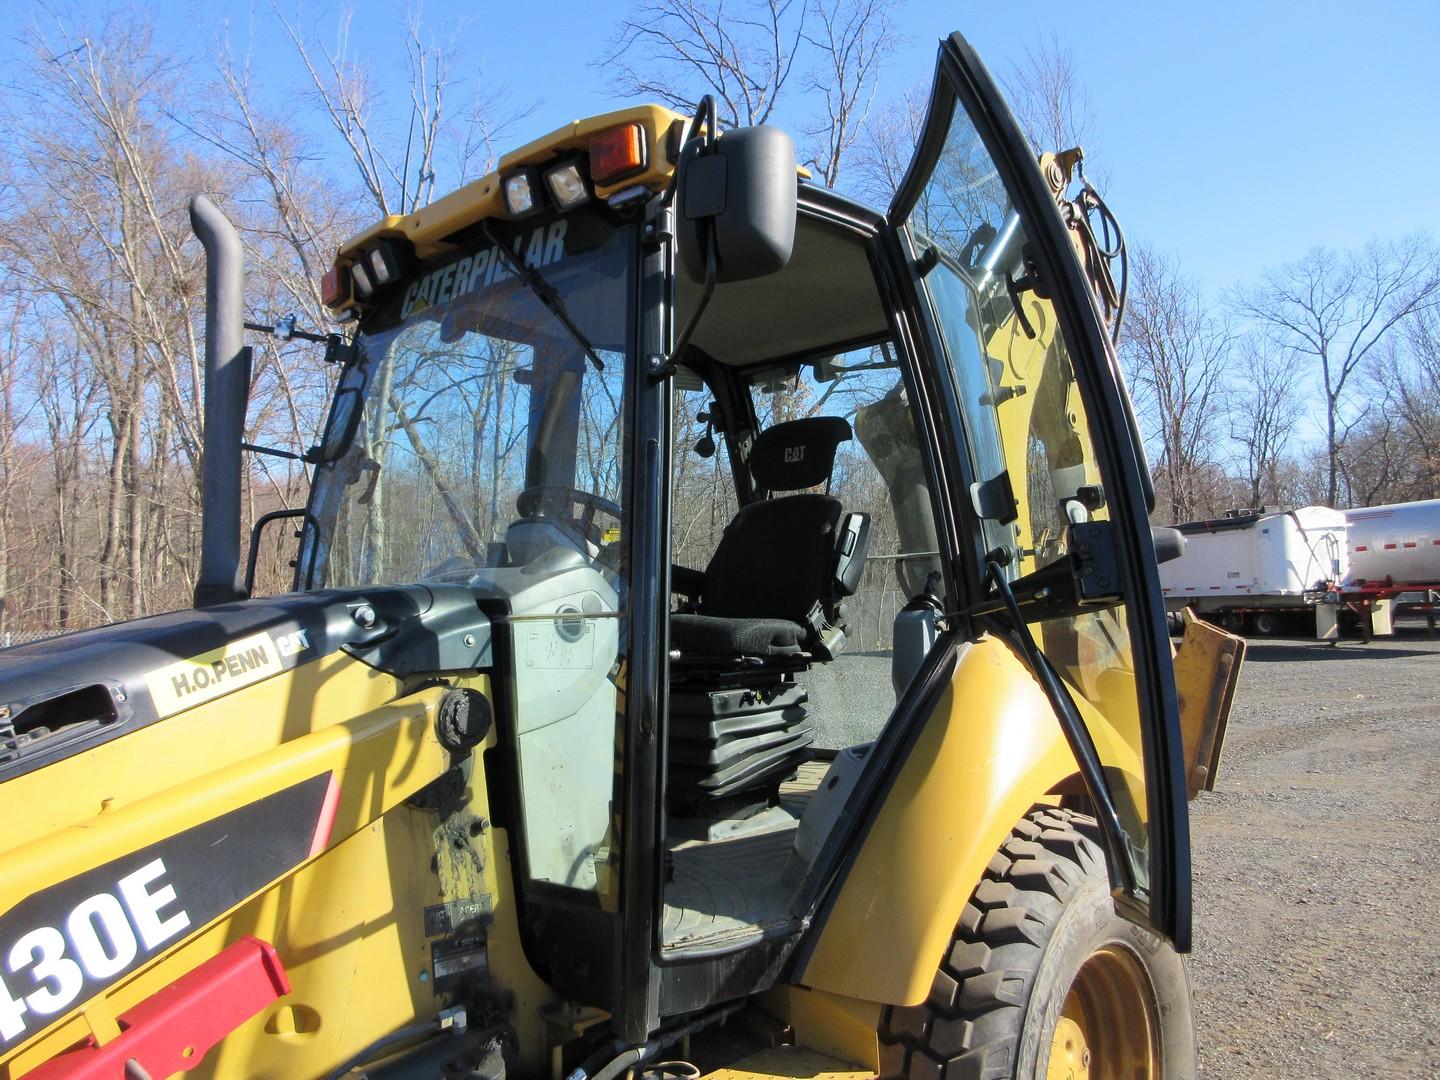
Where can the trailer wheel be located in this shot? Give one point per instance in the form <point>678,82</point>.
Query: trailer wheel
<point>1267,622</point>
<point>1043,979</point>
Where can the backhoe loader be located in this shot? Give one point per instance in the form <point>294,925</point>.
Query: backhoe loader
<point>725,640</point>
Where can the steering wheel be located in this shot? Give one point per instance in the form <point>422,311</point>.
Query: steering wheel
<point>531,504</point>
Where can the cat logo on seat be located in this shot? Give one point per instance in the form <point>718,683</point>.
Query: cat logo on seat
<point>794,454</point>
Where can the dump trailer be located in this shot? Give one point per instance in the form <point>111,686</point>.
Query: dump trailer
<point>1250,569</point>
<point>531,775</point>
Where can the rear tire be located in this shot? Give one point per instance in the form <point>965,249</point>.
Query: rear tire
<point>1043,979</point>
<point>1267,622</point>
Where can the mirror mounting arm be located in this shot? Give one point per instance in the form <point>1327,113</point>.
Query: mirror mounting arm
<point>702,125</point>
<point>664,367</point>
<point>253,558</point>
<point>270,451</point>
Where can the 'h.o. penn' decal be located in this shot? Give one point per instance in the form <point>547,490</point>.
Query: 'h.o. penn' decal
<point>198,679</point>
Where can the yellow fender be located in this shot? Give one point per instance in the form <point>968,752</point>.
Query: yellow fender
<point>989,751</point>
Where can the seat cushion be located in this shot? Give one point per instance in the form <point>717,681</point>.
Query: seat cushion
<point>709,635</point>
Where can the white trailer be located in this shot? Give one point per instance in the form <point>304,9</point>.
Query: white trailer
<point>1248,567</point>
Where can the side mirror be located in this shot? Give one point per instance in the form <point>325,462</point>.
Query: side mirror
<point>257,531</point>
<point>737,193</point>
<point>1169,543</point>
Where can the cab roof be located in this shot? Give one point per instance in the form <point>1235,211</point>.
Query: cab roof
<point>428,227</point>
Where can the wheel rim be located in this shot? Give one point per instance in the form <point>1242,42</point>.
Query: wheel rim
<point>1108,1026</point>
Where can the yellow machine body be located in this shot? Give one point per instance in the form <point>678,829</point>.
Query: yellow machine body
<point>348,922</point>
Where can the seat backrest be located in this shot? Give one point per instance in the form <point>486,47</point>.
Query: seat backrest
<point>775,560</point>
<point>778,556</point>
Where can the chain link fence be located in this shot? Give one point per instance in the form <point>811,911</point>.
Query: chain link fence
<point>10,638</point>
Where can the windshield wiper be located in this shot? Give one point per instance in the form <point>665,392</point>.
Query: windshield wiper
<point>545,293</point>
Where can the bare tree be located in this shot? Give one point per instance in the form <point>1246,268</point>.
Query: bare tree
<point>886,144</point>
<point>1411,378</point>
<point>1265,405</point>
<point>100,410</point>
<point>1049,99</point>
<point>435,140</point>
<point>1334,310</point>
<point>1376,466</point>
<point>1175,353</point>
<point>853,39</point>
<point>676,51</point>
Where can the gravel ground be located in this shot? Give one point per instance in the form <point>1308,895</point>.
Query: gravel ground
<point>1317,912</point>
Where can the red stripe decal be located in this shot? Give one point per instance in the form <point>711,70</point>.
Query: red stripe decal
<point>1389,547</point>
<point>1362,547</point>
<point>326,821</point>
<point>1409,543</point>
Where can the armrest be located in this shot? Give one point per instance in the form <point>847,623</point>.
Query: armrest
<point>851,546</point>
<point>687,582</point>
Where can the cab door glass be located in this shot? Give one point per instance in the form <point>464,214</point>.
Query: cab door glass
<point>1023,420</point>
<point>802,528</point>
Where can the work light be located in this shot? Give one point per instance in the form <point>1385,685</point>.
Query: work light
<point>363,285</point>
<point>567,186</point>
<point>384,264</point>
<point>520,193</point>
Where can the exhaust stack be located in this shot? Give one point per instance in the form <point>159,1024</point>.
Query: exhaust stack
<point>227,388</point>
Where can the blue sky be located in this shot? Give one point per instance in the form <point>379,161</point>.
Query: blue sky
<point>1233,135</point>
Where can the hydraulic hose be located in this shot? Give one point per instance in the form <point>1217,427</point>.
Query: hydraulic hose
<point>631,1056</point>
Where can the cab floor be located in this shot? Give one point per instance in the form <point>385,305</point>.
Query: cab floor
<point>730,891</point>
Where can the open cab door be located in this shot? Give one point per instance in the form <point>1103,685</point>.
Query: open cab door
<point>1015,305</point>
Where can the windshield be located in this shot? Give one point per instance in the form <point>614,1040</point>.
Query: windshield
<point>484,406</point>
<point>491,452</point>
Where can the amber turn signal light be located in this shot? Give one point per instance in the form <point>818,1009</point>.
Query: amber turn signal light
<point>617,153</point>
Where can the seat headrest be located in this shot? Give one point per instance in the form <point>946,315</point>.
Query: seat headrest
<point>797,454</point>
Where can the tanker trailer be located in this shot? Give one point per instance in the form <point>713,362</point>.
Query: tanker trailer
<point>1395,545</point>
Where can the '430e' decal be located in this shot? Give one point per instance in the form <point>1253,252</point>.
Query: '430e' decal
<point>104,933</point>
<point>65,944</point>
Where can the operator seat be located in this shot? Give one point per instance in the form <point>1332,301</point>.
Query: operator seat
<point>766,607</point>
<point>773,588</point>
